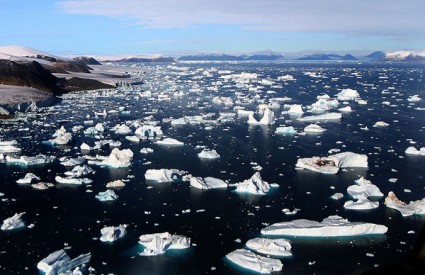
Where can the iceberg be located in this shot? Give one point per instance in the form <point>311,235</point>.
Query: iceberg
<point>252,261</point>
<point>59,262</point>
<point>295,109</point>
<point>115,184</point>
<point>71,161</point>
<point>413,151</point>
<point>413,208</point>
<point>289,130</point>
<point>332,163</point>
<point>207,183</point>
<point>29,177</point>
<point>163,175</point>
<point>381,124</point>
<point>85,147</point>
<point>327,116</point>
<point>314,129</point>
<point>273,247</point>
<point>9,147</point>
<point>245,113</point>
<point>79,171</point>
<point>362,203</point>
<point>108,195</point>
<point>159,243</point>
<point>414,98</point>
<point>148,131</point>
<point>146,150</point>
<point>268,118</point>
<point>170,141</point>
<point>13,222</point>
<point>121,129</point>
<point>364,189</point>
<point>332,226</point>
<point>36,160</point>
<point>42,185</point>
<point>346,109</point>
<point>113,233</point>
<point>60,137</point>
<point>74,181</point>
<point>347,94</point>
<point>209,154</point>
<point>117,159</point>
<point>255,185</point>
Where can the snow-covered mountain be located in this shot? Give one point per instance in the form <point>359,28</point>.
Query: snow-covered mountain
<point>20,52</point>
<point>262,55</point>
<point>405,55</point>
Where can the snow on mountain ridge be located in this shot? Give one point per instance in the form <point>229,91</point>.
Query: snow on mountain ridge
<point>404,54</point>
<point>21,51</point>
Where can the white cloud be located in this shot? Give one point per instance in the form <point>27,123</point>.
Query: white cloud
<point>395,18</point>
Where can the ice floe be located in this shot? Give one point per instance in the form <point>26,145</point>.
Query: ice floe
<point>207,183</point>
<point>268,118</point>
<point>255,185</point>
<point>170,142</point>
<point>108,195</point>
<point>314,129</point>
<point>59,262</point>
<point>164,175</point>
<point>113,233</point>
<point>347,94</point>
<point>285,130</point>
<point>252,261</point>
<point>273,247</point>
<point>332,163</point>
<point>29,178</point>
<point>413,208</point>
<point>322,117</point>
<point>413,151</point>
<point>117,159</point>
<point>159,243</point>
<point>209,154</point>
<point>332,226</point>
<point>13,222</point>
<point>364,189</point>
<point>115,184</point>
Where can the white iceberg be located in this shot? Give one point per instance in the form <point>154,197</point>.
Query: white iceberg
<point>9,147</point>
<point>414,98</point>
<point>13,222</point>
<point>332,163</point>
<point>170,141</point>
<point>413,208</point>
<point>117,159</point>
<point>163,175</point>
<point>73,181</point>
<point>115,184</point>
<point>159,243</point>
<point>413,151</point>
<point>207,183</point>
<point>288,130</point>
<point>69,162</point>
<point>273,247</point>
<point>112,233</point>
<point>121,129</point>
<point>108,195</point>
<point>26,161</point>
<point>255,185</point>
<point>29,178</point>
<point>252,261</point>
<point>314,129</point>
<point>79,171</point>
<point>346,109</point>
<point>332,226</point>
<point>347,94</point>
<point>60,137</point>
<point>295,109</point>
<point>327,116</point>
<point>381,124</point>
<point>362,203</point>
<point>364,189</point>
<point>268,118</point>
<point>209,154</point>
<point>148,131</point>
<point>146,150</point>
<point>59,262</point>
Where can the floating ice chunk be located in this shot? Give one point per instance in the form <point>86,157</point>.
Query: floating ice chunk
<point>71,161</point>
<point>117,159</point>
<point>42,185</point>
<point>4,112</point>
<point>85,147</point>
<point>314,129</point>
<point>268,118</point>
<point>121,129</point>
<point>115,184</point>
<point>133,138</point>
<point>159,243</point>
<point>362,203</point>
<point>207,183</point>
<point>255,185</point>
<point>113,233</point>
<point>364,189</point>
<point>29,177</point>
<point>337,196</point>
<point>414,207</point>
<point>170,141</point>
<point>108,195</point>
<point>79,171</point>
<point>332,226</point>
<point>317,164</point>
<point>273,247</point>
<point>61,137</point>
<point>327,116</point>
<point>414,98</point>
<point>346,109</point>
<point>288,212</point>
<point>289,130</point>
<point>381,124</point>
<point>74,181</point>
<point>245,113</point>
<point>286,77</point>
<point>413,151</point>
<point>146,150</point>
<point>99,127</point>
<point>295,109</point>
<point>322,105</point>
<point>209,154</point>
<point>350,159</point>
<point>148,131</point>
<point>13,222</point>
<point>347,94</point>
<point>252,261</point>
<point>164,175</point>
<point>9,147</point>
<point>24,160</point>
<point>59,262</point>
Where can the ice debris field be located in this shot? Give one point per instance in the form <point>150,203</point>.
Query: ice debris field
<point>219,168</point>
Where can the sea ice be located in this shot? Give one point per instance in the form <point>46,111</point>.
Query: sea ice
<point>207,183</point>
<point>113,233</point>
<point>146,150</point>
<point>79,171</point>
<point>273,247</point>
<point>108,195</point>
<point>65,161</point>
<point>289,130</point>
<point>61,137</point>
<point>332,226</point>
<point>314,129</point>
<point>255,185</point>
<point>13,222</point>
<point>75,181</point>
<point>364,189</point>
<point>414,98</point>
<point>295,109</point>
<point>268,118</point>
<point>347,94</point>
<point>115,184</point>
<point>9,147</point>
<point>170,141</point>
<point>159,243</point>
<point>346,109</point>
<point>117,159</point>
<point>414,207</point>
<point>163,175</point>
<point>29,177</point>
<point>327,116</point>
<point>252,261</point>
<point>59,262</point>
<point>24,160</point>
<point>381,124</point>
<point>413,151</point>
<point>209,154</point>
<point>362,203</point>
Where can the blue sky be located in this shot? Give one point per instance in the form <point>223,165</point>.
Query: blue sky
<point>117,27</point>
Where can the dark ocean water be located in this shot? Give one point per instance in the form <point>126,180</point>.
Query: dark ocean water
<point>69,216</point>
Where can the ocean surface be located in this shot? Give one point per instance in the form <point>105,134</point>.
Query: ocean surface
<point>70,217</point>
